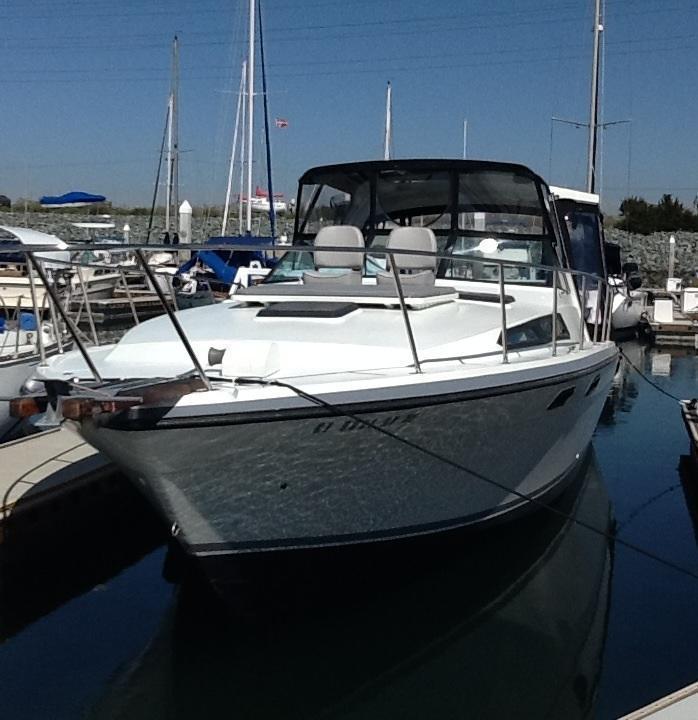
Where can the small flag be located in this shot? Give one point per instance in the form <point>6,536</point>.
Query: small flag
<point>281,123</point>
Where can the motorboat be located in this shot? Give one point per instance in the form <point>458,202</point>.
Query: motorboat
<point>20,353</point>
<point>417,361</point>
<point>260,202</point>
<point>588,250</point>
<point>75,274</point>
<point>219,270</point>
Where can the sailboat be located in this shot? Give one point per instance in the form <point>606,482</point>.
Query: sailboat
<point>222,270</point>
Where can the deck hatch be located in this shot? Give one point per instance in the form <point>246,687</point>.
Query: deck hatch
<point>307,310</point>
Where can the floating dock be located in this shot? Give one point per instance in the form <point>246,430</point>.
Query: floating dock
<point>673,319</point>
<point>39,471</point>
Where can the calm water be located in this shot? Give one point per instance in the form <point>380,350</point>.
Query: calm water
<point>542,619</point>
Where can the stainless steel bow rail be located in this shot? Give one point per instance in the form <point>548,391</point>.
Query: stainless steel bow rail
<point>563,280</point>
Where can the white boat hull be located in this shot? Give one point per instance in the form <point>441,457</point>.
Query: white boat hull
<point>299,478</point>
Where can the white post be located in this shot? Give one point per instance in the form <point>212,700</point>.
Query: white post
<point>127,232</point>
<point>233,152</point>
<point>672,255</point>
<point>185,229</point>
<point>250,115</point>
<point>185,223</point>
<point>387,138</point>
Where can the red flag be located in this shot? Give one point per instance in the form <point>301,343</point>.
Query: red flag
<point>281,123</point>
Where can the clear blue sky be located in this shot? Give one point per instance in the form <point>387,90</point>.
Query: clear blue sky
<point>84,87</point>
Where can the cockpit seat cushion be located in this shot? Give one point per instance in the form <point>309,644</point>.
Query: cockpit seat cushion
<point>413,238</point>
<point>345,236</point>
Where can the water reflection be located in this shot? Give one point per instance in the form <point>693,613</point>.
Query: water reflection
<point>625,390</point>
<point>507,623</point>
<point>82,540</point>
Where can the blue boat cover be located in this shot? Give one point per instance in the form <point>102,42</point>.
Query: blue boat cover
<point>225,263</point>
<point>71,199</point>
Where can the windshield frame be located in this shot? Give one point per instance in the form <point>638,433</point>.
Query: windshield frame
<point>448,233</point>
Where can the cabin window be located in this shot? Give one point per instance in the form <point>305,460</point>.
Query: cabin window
<point>535,332</point>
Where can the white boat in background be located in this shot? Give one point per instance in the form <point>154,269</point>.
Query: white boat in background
<point>587,249</point>
<point>400,372</point>
<point>70,273</point>
<point>19,357</point>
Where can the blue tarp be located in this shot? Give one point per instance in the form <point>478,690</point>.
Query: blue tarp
<point>225,263</point>
<point>71,199</point>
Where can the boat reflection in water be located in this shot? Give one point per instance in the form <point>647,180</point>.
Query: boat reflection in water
<point>510,622</point>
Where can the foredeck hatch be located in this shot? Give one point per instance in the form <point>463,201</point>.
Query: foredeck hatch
<point>307,310</point>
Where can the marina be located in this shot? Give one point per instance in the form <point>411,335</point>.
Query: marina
<point>307,413</point>
<point>369,638</point>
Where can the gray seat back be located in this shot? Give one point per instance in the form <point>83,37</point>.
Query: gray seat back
<point>346,236</point>
<point>413,238</point>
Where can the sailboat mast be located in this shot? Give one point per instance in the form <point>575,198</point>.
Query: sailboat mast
<point>250,115</point>
<point>594,106</point>
<point>387,140</point>
<point>233,152</point>
<point>175,128</point>
<point>243,153</point>
<point>270,187</point>
<point>168,185</point>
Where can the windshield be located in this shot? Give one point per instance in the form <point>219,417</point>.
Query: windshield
<point>477,215</point>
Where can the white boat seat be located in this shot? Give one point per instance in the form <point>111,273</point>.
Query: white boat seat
<point>413,269</point>
<point>343,268</point>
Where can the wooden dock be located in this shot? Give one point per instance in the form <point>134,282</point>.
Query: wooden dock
<point>38,471</point>
<point>119,309</point>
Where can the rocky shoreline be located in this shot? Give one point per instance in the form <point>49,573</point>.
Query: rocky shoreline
<point>62,225</point>
<point>650,252</point>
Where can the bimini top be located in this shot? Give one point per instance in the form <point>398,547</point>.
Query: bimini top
<point>420,165</point>
<point>444,195</point>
